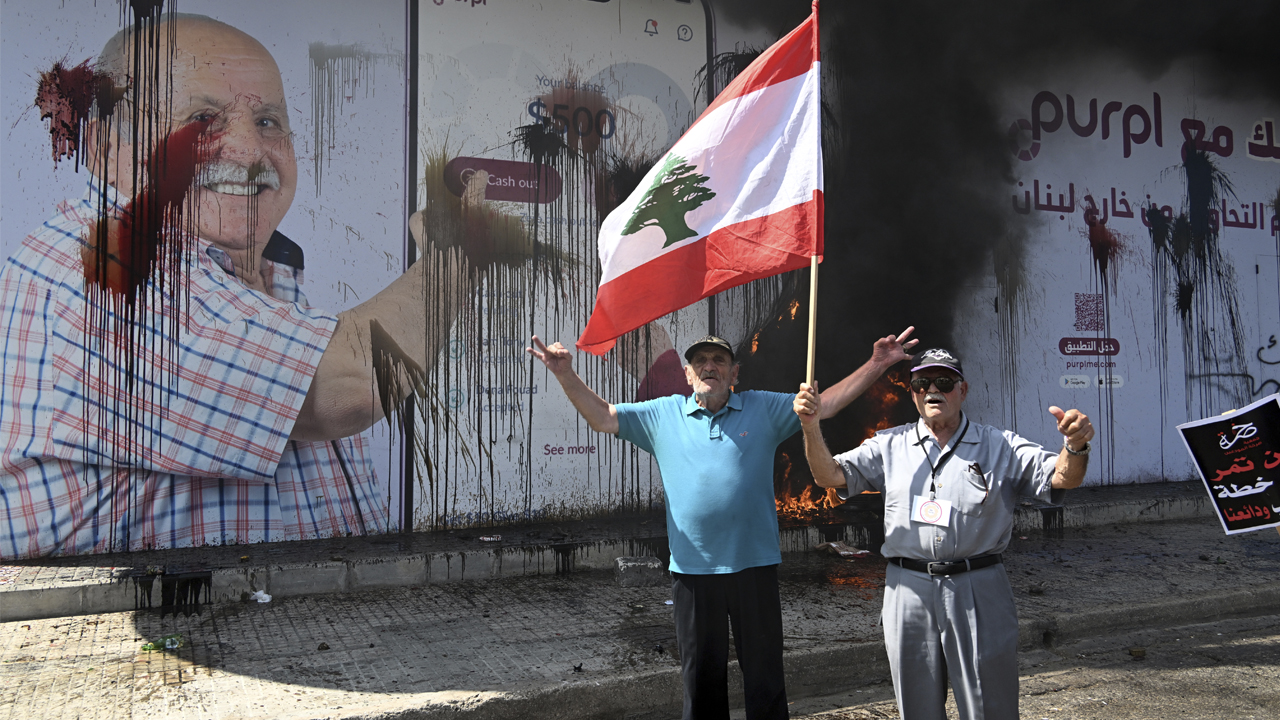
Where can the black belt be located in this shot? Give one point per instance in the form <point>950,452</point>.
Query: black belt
<point>950,567</point>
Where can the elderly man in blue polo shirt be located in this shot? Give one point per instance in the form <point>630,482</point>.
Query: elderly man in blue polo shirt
<point>715,450</point>
<point>950,487</point>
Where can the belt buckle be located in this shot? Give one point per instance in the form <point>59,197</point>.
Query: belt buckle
<point>941,565</point>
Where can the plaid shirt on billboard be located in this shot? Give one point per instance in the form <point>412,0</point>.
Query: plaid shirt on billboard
<point>201,453</point>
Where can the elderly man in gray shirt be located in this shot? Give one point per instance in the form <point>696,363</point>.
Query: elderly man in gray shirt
<point>950,487</point>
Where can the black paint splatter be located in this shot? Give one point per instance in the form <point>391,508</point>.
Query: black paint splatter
<point>337,73</point>
<point>1205,298</point>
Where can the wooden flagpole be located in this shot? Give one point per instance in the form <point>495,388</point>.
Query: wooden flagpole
<point>813,260</point>
<point>813,315</point>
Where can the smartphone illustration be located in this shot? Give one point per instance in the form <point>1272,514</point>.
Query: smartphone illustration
<point>530,121</point>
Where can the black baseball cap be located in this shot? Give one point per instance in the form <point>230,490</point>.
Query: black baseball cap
<point>708,340</point>
<point>937,357</point>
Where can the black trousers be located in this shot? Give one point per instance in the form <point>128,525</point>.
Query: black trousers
<point>705,608</point>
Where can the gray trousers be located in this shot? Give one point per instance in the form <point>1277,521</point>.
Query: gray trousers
<point>963,627</point>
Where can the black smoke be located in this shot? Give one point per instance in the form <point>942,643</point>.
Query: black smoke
<point>918,168</point>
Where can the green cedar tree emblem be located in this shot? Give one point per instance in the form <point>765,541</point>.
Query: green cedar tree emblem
<point>676,191</point>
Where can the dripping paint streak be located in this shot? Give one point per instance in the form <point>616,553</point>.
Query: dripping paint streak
<point>336,72</point>
<point>1106,248</point>
<point>1160,228</point>
<point>1204,291</point>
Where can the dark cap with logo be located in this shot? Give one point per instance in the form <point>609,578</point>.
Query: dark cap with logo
<point>708,340</point>
<point>937,357</point>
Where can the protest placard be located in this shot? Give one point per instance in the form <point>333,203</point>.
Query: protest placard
<point>1238,456</point>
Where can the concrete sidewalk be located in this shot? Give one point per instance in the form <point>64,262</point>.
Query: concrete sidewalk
<point>60,587</point>
<point>568,644</point>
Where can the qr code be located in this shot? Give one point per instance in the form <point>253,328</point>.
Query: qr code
<point>1089,312</point>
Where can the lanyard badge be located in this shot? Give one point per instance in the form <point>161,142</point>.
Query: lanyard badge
<point>930,511</point>
<point>926,508</point>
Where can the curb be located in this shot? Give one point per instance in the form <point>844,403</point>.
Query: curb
<point>1259,600</point>
<point>1093,514</point>
<point>123,589</point>
<point>126,589</point>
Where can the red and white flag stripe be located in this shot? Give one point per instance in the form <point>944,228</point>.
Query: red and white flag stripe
<point>755,156</point>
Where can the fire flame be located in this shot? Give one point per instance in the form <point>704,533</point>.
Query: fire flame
<point>810,500</point>
<point>795,305</point>
<point>882,398</point>
<point>799,501</point>
<point>807,501</point>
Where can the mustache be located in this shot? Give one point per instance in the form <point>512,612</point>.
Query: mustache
<point>935,396</point>
<point>222,171</point>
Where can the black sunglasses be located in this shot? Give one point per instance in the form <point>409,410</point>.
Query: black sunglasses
<point>944,384</point>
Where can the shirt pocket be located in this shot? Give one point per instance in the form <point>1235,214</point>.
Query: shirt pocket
<point>972,492</point>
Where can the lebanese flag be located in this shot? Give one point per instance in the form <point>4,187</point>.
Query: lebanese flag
<point>737,198</point>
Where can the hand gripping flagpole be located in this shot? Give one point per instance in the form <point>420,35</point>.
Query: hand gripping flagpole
<point>813,260</point>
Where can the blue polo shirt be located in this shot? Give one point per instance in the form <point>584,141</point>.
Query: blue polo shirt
<point>717,471</point>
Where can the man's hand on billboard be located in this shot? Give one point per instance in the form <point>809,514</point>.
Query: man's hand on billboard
<point>472,201</point>
<point>473,195</point>
<point>418,231</point>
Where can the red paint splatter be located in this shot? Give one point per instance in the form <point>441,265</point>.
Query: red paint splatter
<point>134,239</point>
<point>66,96</point>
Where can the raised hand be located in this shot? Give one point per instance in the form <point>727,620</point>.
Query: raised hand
<point>891,349</point>
<point>808,404</point>
<point>472,201</point>
<point>1074,426</point>
<point>556,357</point>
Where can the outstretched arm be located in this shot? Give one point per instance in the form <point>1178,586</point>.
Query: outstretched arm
<point>415,311</point>
<point>600,415</point>
<point>886,352</point>
<point>1077,431</point>
<point>413,315</point>
<point>808,407</point>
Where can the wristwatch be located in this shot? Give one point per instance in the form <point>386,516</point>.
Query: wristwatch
<point>1082,451</point>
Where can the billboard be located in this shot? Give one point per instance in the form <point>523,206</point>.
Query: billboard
<point>548,115</point>
<point>239,236</point>
<point>1147,294</point>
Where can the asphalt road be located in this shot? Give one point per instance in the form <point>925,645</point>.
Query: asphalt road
<point>1228,670</point>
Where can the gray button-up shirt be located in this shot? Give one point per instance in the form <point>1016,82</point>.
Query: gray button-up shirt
<point>989,469</point>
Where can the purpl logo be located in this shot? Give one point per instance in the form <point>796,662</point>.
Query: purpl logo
<point>1134,124</point>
